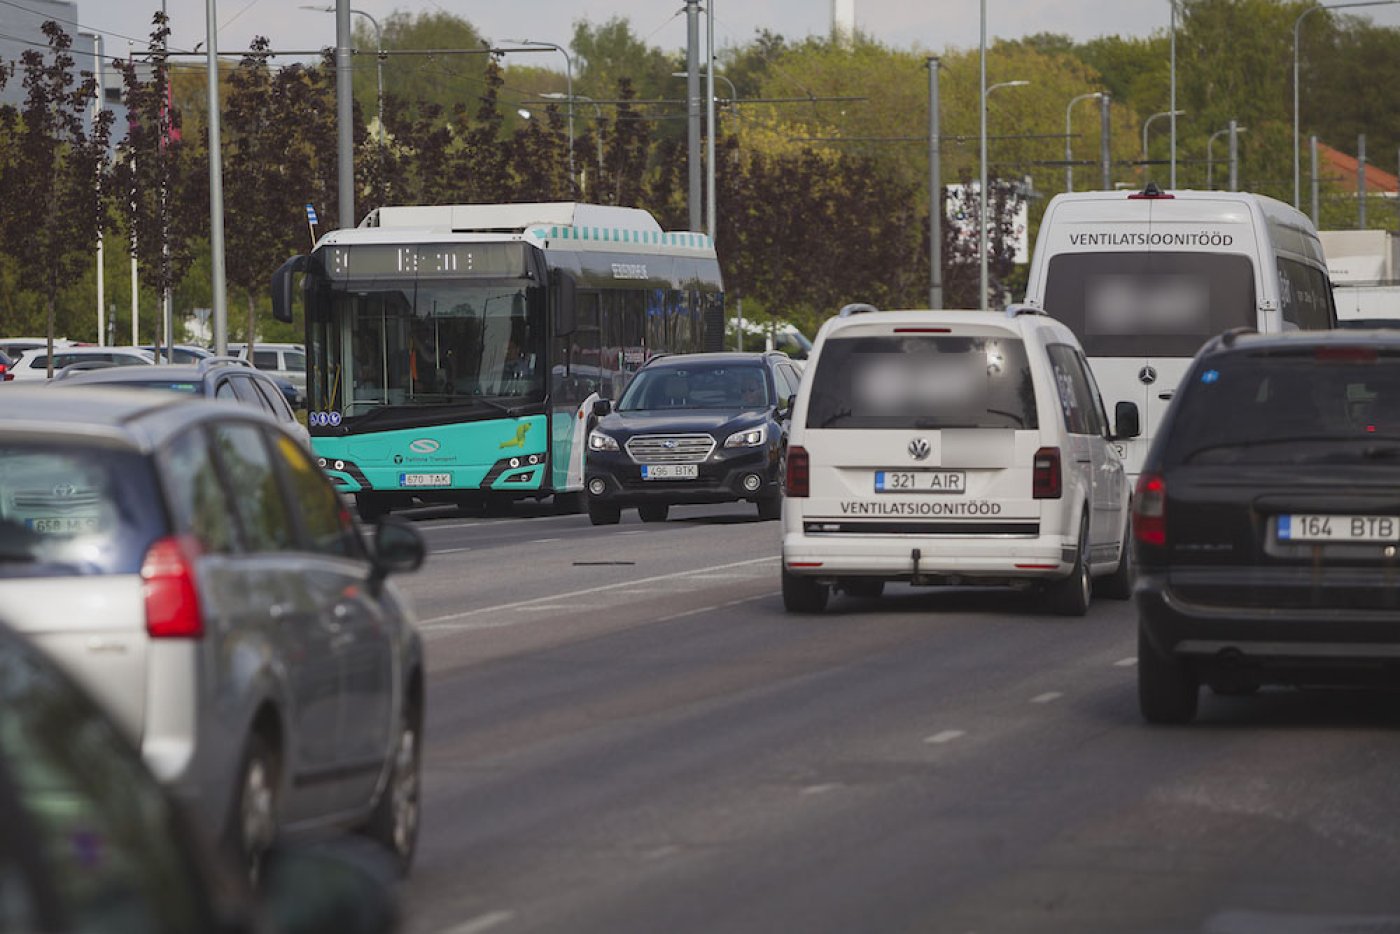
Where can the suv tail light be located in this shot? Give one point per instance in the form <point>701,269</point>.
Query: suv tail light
<point>5,374</point>
<point>1045,474</point>
<point>172,601</point>
<point>1150,510</point>
<point>797,482</point>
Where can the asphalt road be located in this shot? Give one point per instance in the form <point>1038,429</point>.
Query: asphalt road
<point>627,734</point>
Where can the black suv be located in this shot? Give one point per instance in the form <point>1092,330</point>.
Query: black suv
<point>693,428</point>
<point>1267,521</point>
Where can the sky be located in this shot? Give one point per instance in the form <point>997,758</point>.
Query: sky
<point>933,26</point>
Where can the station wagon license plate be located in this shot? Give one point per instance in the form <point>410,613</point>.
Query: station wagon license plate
<point>425,479</point>
<point>1311,528</point>
<point>70,525</point>
<point>920,481</point>
<point>670,471</point>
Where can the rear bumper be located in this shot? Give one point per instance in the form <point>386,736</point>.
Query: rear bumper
<point>943,559</point>
<point>1263,636</point>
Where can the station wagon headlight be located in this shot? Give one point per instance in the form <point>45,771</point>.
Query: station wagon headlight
<point>597,441</point>
<point>749,438</point>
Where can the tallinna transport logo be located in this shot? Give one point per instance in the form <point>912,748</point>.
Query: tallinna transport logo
<point>519,440</point>
<point>423,446</point>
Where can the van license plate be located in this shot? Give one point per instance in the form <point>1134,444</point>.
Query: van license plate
<point>920,481</point>
<point>1309,528</point>
<point>425,479</point>
<point>670,471</point>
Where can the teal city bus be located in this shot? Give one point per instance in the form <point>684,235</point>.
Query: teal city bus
<point>454,351</point>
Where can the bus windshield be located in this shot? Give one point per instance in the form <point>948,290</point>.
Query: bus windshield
<point>397,342</point>
<point>1150,304</point>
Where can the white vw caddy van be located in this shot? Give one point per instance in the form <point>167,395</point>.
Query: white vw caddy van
<point>953,447</point>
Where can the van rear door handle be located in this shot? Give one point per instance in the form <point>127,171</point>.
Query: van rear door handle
<point>1166,396</point>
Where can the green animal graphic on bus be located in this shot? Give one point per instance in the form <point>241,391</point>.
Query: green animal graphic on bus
<point>519,440</point>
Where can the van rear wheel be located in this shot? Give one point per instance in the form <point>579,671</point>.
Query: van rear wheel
<point>1119,584</point>
<point>1070,597</point>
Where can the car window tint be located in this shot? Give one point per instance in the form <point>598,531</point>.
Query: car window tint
<point>265,359</point>
<point>294,359</point>
<point>225,391</point>
<point>198,502</point>
<point>326,523</point>
<point>1077,402</point>
<point>262,513</point>
<point>112,845</point>
<point>245,390</point>
<point>274,400</point>
<point>73,509</point>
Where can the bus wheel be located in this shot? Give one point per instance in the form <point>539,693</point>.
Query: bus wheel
<point>370,507</point>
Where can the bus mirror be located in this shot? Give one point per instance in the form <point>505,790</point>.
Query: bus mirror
<point>282,288</point>
<point>1126,420</point>
<point>565,303</point>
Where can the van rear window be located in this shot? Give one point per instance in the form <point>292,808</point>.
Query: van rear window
<point>922,382</point>
<point>1150,304</point>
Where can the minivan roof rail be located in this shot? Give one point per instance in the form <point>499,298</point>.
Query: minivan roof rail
<point>855,308</point>
<point>208,362</point>
<point>1015,311</point>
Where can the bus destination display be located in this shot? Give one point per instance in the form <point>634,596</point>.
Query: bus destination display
<point>426,260</point>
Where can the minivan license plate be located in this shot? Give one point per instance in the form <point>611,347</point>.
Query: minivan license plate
<point>1311,528</point>
<point>920,481</point>
<point>670,471</point>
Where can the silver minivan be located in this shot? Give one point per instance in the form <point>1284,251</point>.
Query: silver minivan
<point>953,447</point>
<point>189,564</point>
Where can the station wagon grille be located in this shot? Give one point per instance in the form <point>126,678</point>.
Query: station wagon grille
<point>670,449</point>
<point>63,498</point>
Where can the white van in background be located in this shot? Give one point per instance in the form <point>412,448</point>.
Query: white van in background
<point>1145,278</point>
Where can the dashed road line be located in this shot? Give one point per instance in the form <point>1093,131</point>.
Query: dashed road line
<point>947,736</point>
<point>1128,662</point>
<point>821,789</point>
<point>446,551</point>
<point>481,923</point>
<point>1047,697</point>
<point>543,541</point>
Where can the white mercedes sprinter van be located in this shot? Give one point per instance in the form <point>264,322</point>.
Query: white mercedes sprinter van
<point>1144,279</point>
<point>953,447</point>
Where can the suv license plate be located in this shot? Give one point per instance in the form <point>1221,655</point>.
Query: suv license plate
<point>670,471</point>
<point>425,479</point>
<point>1311,528</point>
<point>920,481</point>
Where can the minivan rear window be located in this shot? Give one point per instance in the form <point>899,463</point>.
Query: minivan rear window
<point>1300,405</point>
<point>923,381</point>
<point>1150,304</point>
<point>71,510</point>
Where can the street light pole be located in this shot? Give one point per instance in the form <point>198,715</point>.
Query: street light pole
<point>345,114</point>
<point>935,191</point>
<point>1147,123</point>
<point>1171,181</point>
<point>1210,143</point>
<point>569,78</point>
<point>710,119</point>
<point>982,190</point>
<point>1297,138</point>
<point>1234,156</point>
<point>218,285</point>
<point>597,116</point>
<point>1069,151</point>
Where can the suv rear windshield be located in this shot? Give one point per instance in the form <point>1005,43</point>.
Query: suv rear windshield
<point>69,510</point>
<point>1302,405</point>
<point>922,382</point>
<point>1150,304</point>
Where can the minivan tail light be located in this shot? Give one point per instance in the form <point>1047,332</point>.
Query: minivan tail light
<point>172,600</point>
<point>1150,510</point>
<point>798,480</point>
<point>1045,474</point>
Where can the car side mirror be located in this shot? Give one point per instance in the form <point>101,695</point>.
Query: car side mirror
<point>1126,420</point>
<point>602,407</point>
<point>791,403</point>
<point>398,549</point>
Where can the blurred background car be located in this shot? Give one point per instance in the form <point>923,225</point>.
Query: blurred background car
<point>191,353</point>
<point>93,843</point>
<point>33,364</point>
<point>191,566</point>
<point>14,346</point>
<point>6,361</point>
<point>285,360</point>
<point>212,378</point>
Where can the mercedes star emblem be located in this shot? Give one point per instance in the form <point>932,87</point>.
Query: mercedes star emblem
<point>1147,375</point>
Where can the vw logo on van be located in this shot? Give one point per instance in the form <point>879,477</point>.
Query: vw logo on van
<point>423,446</point>
<point>919,449</point>
<point>1147,375</point>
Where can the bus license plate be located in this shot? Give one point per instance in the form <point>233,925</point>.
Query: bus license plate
<point>425,479</point>
<point>1310,528</point>
<point>670,471</point>
<point>70,525</point>
<point>920,481</point>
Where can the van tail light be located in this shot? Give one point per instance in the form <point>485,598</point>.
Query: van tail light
<point>1045,474</point>
<point>1150,510</point>
<point>172,600</point>
<point>798,481</point>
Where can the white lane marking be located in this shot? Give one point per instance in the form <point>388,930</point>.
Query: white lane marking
<point>640,590</point>
<point>947,736</point>
<point>481,923</point>
<point>708,609</point>
<point>541,541</point>
<point>549,607</point>
<point>1128,662</point>
<point>447,622</point>
<point>446,551</point>
<point>820,789</point>
<point>1047,697</point>
<point>632,532</point>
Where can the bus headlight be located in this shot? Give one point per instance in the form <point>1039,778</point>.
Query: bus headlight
<point>597,441</point>
<point>748,438</point>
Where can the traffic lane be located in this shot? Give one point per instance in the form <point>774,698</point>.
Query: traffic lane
<point>928,760</point>
<point>462,587</point>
